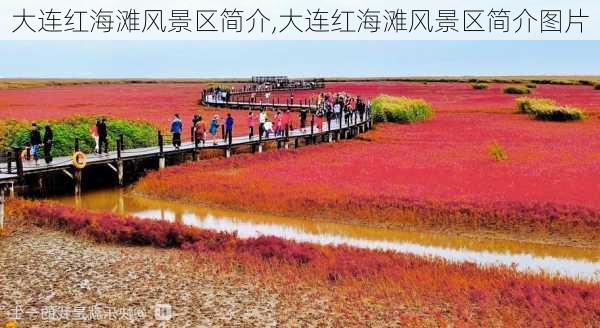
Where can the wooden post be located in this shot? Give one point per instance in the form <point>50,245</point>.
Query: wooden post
<point>122,142</point>
<point>160,143</point>
<point>161,154</point>
<point>19,161</point>
<point>1,208</point>
<point>119,149</point>
<point>40,183</point>
<point>312,127</point>
<point>120,172</point>
<point>296,143</point>
<point>77,180</point>
<point>76,144</point>
<point>195,151</point>
<point>9,162</point>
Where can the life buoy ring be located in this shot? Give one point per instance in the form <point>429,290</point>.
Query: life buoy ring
<point>79,160</point>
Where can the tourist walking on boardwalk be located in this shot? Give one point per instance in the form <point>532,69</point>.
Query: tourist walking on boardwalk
<point>337,110</point>
<point>287,122</point>
<point>229,129</point>
<point>48,139</point>
<point>303,115</point>
<point>102,136</point>
<point>262,118</point>
<point>94,133</point>
<point>195,120</point>
<point>328,115</point>
<point>278,124</point>
<point>214,126</point>
<point>360,107</point>
<point>250,125</point>
<point>199,132</point>
<point>35,141</point>
<point>319,120</point>
<point>268,127</point>
<point>176,128</point>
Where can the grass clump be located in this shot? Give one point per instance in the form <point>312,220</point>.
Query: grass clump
<point>497,152</point>
<point>136,134</point>
<point>526,105</point>
<point>516,90</point>
<point>400,109</point>
<point>548,110</point>
<point>559,114</point>
<point>597,87</point>
<point>531,85</point>
<point>479,86</point>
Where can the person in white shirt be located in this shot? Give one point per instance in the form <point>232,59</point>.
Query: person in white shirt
<point>262,118</point>
<point>268,127</point>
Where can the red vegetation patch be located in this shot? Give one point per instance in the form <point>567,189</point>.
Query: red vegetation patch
<point>158,102</point>
<point>437,173</point>
<point>459,292</point>
<point>154,103</point>
<point>460,97</point>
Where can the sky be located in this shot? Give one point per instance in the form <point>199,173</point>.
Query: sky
<point>223,59</point>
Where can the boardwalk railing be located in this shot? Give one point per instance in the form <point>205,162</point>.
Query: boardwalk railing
<point>289,85</point>
<point>14,166</point>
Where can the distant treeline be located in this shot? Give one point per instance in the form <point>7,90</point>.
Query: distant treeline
<point>560,80</point>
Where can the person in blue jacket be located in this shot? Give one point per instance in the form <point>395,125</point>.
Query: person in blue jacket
<point>176,128</point>
<point>214,125</point>
<point>229,128</point>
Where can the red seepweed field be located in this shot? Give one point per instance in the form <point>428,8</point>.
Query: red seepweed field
<point>548,184</point>
<point>157,102</point>
<point>445,160</point>
<point>443,174</point>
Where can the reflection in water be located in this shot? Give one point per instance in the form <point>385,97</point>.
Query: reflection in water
<point>568,261</point>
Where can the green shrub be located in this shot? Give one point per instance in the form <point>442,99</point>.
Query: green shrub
<point>400,109</point>
<point>525,104</point>
<point>531,85</point>
<point>497,152</point>
<point>548,110</point>
<point>517,90</point>
<point>136,134</point>
<point>597,87</point>
<point>560,114</point>
<point>479,86</point>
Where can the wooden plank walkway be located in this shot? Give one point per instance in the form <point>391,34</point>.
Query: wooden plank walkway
<point>247,92</point>
<point>65,162</point>
<point>255,105</point>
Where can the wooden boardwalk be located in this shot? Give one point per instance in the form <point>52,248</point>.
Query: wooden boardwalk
<point>113,158</point>
<point>259,105</point>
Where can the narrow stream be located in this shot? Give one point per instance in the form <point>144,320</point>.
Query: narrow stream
<point>567,261</point>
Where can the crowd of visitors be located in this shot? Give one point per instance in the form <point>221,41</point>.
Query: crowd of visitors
<point>338,108</point>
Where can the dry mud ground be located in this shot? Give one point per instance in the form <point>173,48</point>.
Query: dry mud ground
<point>51,279</point>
